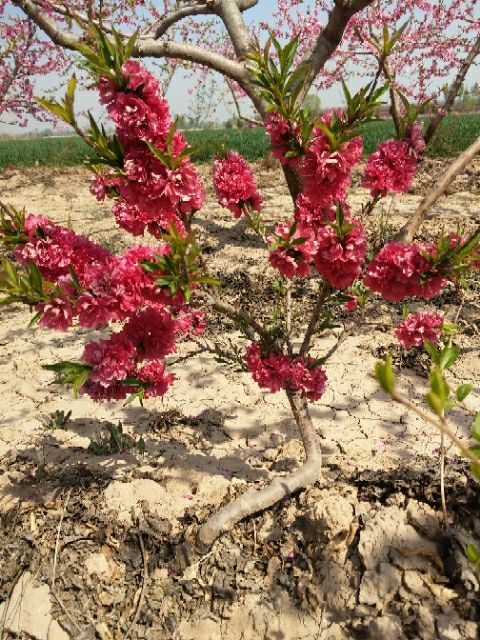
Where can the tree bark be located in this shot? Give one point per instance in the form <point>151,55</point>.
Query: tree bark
<point>256,500</point>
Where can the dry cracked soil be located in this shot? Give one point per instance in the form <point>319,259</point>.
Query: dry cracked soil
<point>93,540</point>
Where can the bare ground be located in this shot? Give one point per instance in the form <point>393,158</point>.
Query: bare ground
<point>93,546</point>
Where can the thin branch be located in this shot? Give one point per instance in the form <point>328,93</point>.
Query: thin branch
<point>243,318</point>
<point>211,7</point>
<point>395,110</point>
<point>185,11</point>
<point>438,424</point>
<point>288,316</point>
<point>455,88</point>
<point>317,310</point>
<point>411,227</point>
<point>232,18</point>
<point>237,105</point>
<point>146,47</point>
<point>48,25</point>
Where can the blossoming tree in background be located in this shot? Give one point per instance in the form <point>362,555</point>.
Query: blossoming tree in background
<point>25,54</point>
<point>437,40</point>
<point>153,296</point>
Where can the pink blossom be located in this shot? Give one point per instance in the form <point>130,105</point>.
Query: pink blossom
<point>56,314</point>
<point>390,168</point>
<point>152,332</point>
<point>132,117</point>
<point>326,173</point>
<point>290,258</point>
<point>112,360</point>
<point>284,137</point>
<point>156,195</point>
<point>351,304</point>
<point>418,327</point>
<point>339,260</point>
<point>190,321</point>
<point>140,80</point>
<point>315,216</point>
<point>55,249</point>
<point>153,374</point>
<point>107,90</point>
<point>268,371</point>
<point>129,217</point>
<point>235,185</point>
<point>402,270</point>
<point>98,187</point>
<point>416,140</point>
<point>108,392</point>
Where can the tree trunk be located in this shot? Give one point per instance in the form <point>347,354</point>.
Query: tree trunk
<point>256,500</point>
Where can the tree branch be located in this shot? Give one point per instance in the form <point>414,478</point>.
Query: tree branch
<point>316,312</point>
<point>191,53</point>
<point>411,227</point>
<point>195,9</point>
<point>329,39</point>
<point>232,18</point>
<point>455,88</point>
<point>146,47</point>
<point>48,25</point>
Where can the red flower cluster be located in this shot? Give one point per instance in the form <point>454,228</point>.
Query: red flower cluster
<point>235,184</point>
<point>326,173</point>
<point>418,327</point>
<point>97,287</point>
<point>402,270</point>
<point>277,371</point>
<point>316,216</point>
<point>149,335</point>
<point>151,195</point>
<point>290,256</point>
<point>340,260</point>
<point>391,167</point>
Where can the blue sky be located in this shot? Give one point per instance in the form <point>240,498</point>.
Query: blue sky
<point>180,99</point>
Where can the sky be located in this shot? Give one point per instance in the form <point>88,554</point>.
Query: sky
<point>217,102</point>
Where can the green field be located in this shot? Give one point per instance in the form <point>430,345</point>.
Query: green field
<point>455,134</point>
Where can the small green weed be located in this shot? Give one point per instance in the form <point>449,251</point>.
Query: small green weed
<point>115,442</point>
<point>57,420</point>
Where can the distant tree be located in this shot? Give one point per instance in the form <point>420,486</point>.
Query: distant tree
<point>313,104</point>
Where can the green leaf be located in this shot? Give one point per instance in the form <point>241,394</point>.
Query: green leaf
<point>385,375</point>
<point>438,384</point>
<point>432,352</point>
<point>448,357</point>
<point>141,447</point>
<point>450,328</point>
<point>476,428</point>
<point>472,554</point>
<point>462,391</point>
<point>55,108</point>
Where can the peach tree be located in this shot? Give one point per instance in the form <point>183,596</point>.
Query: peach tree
<point>155,295</point>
